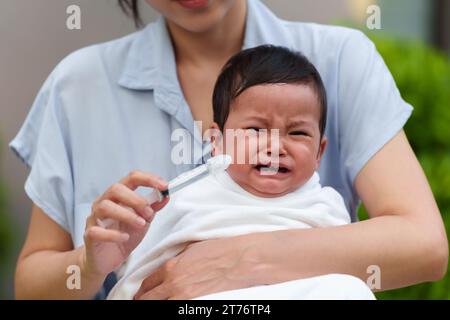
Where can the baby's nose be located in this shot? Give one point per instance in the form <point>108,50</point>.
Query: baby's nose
<point>276,148</point>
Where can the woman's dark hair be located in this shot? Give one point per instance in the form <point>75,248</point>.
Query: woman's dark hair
<point>131,8</point>
<point>265,64</point>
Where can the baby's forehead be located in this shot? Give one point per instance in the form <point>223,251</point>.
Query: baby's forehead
<point>294,92</point>
<point>280,99</point>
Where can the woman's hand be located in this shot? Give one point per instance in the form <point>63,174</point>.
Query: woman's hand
<point>107,249</point>
<point>203,268</point>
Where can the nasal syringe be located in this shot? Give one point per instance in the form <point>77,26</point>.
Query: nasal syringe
<point>212,166</point>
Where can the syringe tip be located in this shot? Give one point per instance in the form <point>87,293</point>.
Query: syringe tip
<point>219,163</point>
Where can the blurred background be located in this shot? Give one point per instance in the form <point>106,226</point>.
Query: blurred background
<point>414,40</point>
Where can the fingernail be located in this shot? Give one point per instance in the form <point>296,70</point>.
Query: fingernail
<point>141,222</point>
<point>148,211</point>
<point>124,237</point>
<point>162,181</point>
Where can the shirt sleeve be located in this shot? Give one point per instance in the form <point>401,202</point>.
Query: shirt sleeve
<point>370,109</point>
<point>42,144</point>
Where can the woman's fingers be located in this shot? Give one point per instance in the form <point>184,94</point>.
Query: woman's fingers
<point>99,234</point>
<point>158,293</point>
<point>107,209</point>
<point>137,179</point>
<point>120,193</point>
<point>120,202</point>
<point>159,205</point>
<point>155,279</point>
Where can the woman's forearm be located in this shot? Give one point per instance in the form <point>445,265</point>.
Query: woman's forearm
<point>54,275</point>
<point>401,249</point>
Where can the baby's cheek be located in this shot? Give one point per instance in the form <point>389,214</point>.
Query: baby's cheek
<point>243,150</point>
<point>306,171</point>
<point>252,148</point>
<point>239,172</point>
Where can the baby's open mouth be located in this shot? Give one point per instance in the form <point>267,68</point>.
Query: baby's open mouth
<point>271,169</point>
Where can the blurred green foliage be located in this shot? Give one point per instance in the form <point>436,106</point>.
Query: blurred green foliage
<point>422,75</point>
<point>5,228</point>
<point>6,237</point>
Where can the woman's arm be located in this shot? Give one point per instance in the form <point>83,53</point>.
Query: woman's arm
<point>405,237</point>
<point>42,267</point>
<point>42,264</point>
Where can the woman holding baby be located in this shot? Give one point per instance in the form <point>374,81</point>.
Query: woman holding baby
<point>101,128</point>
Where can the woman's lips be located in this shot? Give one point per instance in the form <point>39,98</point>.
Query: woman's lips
<point>193,4</point>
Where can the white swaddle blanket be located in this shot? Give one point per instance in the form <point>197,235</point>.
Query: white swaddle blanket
<point>217,207</point>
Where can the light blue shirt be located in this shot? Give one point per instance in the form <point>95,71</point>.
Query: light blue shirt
<point>111,108</point>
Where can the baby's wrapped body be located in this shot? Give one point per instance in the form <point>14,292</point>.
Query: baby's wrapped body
<point>217,207</point>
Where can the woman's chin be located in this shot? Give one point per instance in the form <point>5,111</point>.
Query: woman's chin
<point>199,21</point>
<point>197,24</point>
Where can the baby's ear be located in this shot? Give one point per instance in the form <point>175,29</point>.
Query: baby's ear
<point>322,147</point>
<point>214,126</point>
<point>215,136</point>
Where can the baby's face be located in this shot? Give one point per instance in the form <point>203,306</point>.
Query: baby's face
<point>294,110</point>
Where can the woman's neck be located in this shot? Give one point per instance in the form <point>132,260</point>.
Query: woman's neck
<point>215,45</point>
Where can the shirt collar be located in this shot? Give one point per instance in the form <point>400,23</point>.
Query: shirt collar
<point>150,63</point>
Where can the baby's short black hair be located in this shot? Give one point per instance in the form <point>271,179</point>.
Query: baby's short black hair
<point>266,64</point>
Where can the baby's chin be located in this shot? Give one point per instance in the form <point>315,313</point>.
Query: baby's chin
<point>269,188</point>
<point>266,185</point>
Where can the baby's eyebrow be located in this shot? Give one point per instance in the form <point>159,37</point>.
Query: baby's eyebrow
<point>299,123</point>
<point>257,118</point>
